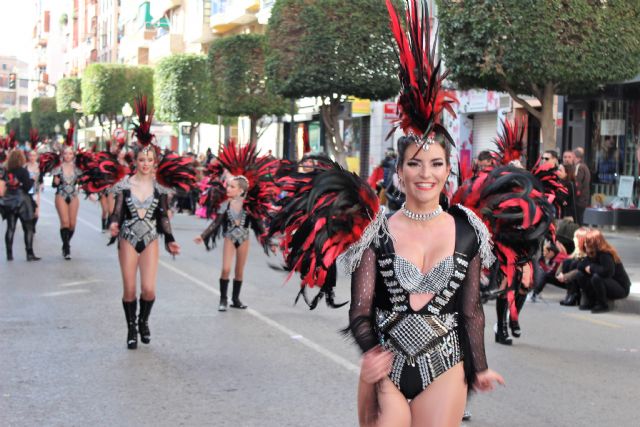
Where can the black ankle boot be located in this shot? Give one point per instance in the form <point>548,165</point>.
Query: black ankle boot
<point>235,297</point>
<point>64,234</point>
<point>502,329</point>
<point>224,286</point>
<point>130,315</point>
<point>28,242</point>
<point>143,320</point>
<point>103,225</point>
<point>571,299</point>
<point>9,254</point>
<point>514,325</point>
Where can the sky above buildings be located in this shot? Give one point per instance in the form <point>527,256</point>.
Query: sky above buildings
<point>16,28</point>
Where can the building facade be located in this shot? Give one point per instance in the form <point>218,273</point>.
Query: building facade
<point>14,86</point>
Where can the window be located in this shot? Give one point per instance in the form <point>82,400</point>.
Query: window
<point>24,100</point>
<point>218,6</point>
<point>24,83</point>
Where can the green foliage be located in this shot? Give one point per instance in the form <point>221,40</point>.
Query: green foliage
<point>575,45</point>
<point>328,47</point>
<point>107,87</point>
<point>13,125</point>
<point>237,73</point>
<point>44,116</point>
<point>25,126</point>
<point>68,91</point>
<point>183,89</point>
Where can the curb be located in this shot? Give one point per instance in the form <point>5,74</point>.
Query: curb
<point>629,305</point>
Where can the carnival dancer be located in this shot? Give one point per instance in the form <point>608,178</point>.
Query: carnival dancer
<point>248,198</point>
<point>518,208</point>
<point>34,173</point>
<point>140,216</point>
<point>17,204</point>
<point>415,308</point>
<point>65,177</point>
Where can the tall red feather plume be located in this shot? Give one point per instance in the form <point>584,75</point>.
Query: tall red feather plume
<point>69,140</point>
<point>422,98</point>
<point>142,129</point>
<point>34,137</point>
<point>509,143</point>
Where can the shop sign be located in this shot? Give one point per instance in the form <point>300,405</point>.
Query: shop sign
<point>611,127</point>
<point>625,187</point>
<point>390,110</point>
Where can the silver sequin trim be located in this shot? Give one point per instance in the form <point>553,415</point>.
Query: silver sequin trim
<point>350,259</point>
<point>483,236</point>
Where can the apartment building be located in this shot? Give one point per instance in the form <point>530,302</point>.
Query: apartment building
<point>14,85</point>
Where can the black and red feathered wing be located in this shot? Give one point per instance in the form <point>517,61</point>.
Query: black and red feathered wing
<point>176,172</point>
<point>325,212</point>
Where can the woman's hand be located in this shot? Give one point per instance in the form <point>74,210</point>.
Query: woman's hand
<point>198,240</point>
<point>485,380</point>
<point>114,229</point>
<point>37,212</point>
<point>174,248</point>
<point>56,180</point>
<point>376,364</point>
<point>560,277</point>
<point>587,269</point>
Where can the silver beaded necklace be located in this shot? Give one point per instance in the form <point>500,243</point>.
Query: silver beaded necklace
<point>421,216</point>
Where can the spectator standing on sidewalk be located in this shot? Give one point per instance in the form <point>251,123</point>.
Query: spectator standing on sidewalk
<point>583,185</point>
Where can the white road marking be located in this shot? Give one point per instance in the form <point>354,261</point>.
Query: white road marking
<point>69,292</point>
<point>81,282</point>
<point>290,333</point>
<point>298,337</point>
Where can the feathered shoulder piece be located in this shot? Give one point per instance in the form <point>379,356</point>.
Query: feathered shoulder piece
<point>176,172</point>
<point>48,161</point>
<point>510,142</point>
<point>325,212</point>
<point>422,98</point>
<point>102,173</point>
<point>513,205</point>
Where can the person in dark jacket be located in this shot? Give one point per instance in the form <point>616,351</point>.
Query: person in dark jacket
<point>603,276</point>
<point>18,204</point>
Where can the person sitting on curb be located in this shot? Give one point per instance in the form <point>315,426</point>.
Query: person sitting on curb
<point>552,258</point>
<point>603,276</point>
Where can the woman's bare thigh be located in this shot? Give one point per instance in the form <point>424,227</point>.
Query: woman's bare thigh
<point>442,403</point>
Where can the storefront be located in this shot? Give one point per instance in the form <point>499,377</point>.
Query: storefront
<point>608,128</point>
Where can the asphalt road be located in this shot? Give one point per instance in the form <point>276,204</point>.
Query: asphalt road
<point>65,363</point>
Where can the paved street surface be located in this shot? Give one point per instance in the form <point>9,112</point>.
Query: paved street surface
<point>64,360</point>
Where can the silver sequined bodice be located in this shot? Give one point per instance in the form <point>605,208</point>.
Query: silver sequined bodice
<point>238,234</point>
<point>67,187</point>
<point>413,281</point>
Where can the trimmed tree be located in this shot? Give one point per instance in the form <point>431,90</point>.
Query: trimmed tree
<point>68,91</point>
<point>331,49</point>
<point>45,117</point>
<point>540,48</point>
<point>183,91</point>
<point>238,83</point>
<point>106,88</point>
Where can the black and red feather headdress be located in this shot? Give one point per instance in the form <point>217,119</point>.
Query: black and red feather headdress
<point>422,97</point>
<point>509,143</point>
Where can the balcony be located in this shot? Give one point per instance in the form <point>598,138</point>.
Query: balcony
<point>238,13</point>
<point>166,45</point>
<point>160,7</point>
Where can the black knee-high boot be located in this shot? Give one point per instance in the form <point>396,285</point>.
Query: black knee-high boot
<point>224,286</point>
<point>502,331</point>
<point>64,234</point>
<point>130,315</point>
<point>27,227</point>
<point>8,235</point>
<point>143,320</point>
<point>514,324</point>
<point>235,297</point>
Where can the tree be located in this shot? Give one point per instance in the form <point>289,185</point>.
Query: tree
<point>540,48</point>
<point>11,113</point>
<point>45,117</point>
<point>68,91</point>
<point>331,49</point>
<point>238,83</point>
<point>183,91</point>
<point>106,88</point>
<point>25,126</point>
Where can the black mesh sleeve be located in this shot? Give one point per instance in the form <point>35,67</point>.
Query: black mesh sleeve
<point>117,215</point>
<point>471,319</point>
<point>164,226</point>
<point>363,284</point>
